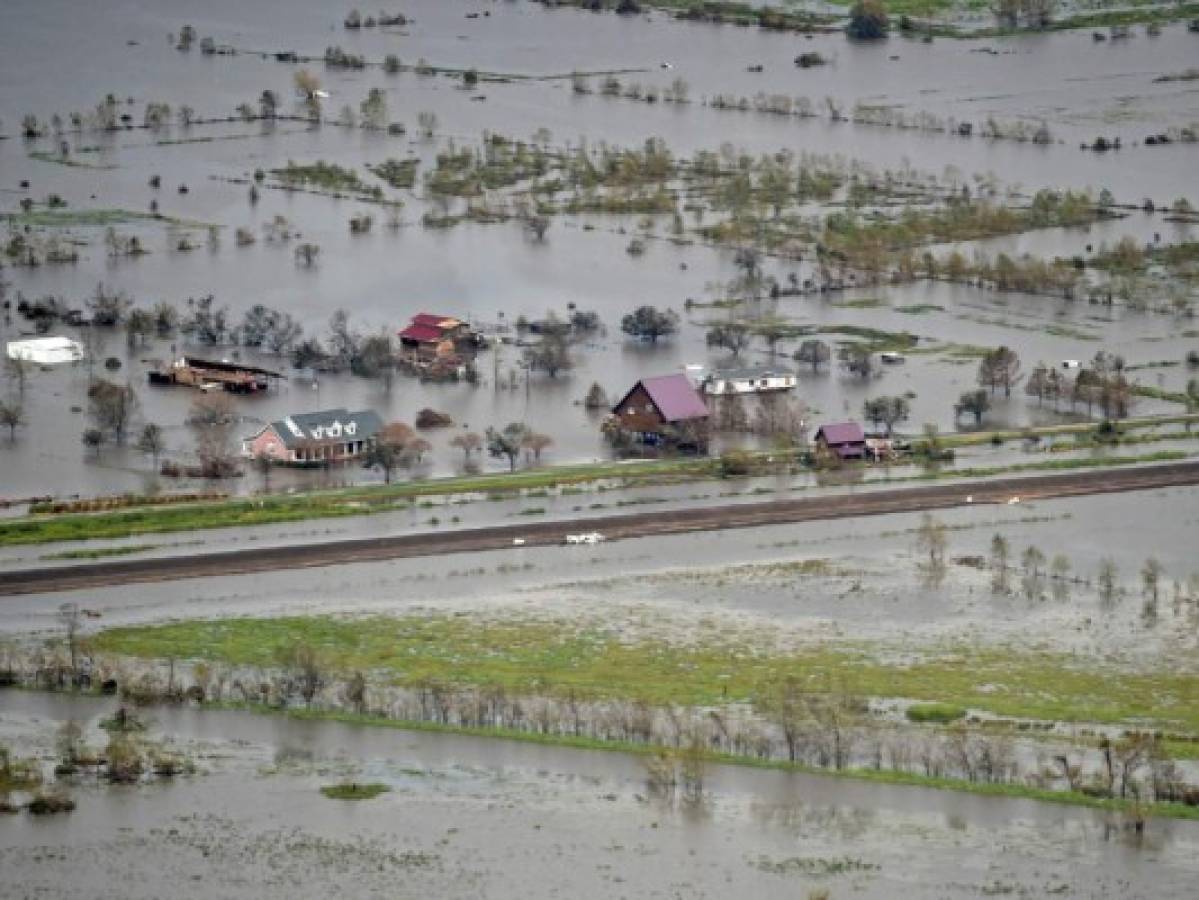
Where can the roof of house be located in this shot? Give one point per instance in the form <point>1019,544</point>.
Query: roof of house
<point>674,396</point>
<point>423,334</point>
<point>435,320</point>
<point>327,425</point>
<point>842,433</point>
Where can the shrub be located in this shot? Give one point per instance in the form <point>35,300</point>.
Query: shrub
<point>352,791</point>
<point>867,21</point>
<point>734,464</point>
<point>431,418</point>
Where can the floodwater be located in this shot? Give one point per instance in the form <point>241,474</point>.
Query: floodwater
<point>468,817</point>
<point>494,273</point>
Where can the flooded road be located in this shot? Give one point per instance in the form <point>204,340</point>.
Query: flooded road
<point>468,817</point>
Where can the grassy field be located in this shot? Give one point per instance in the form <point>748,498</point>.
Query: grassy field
<point>590,661</point>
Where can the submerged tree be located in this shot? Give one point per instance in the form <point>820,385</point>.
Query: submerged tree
<point>650,323</point>
<point>814,353</point>
<point>867,21</point>
<point>507,444</point>
<point>112,407</point>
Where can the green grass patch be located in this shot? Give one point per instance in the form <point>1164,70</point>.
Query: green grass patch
<point>874,339</point>
<point>919,309</point>
<point>941,713</point>
<point>101,552</point>
<point>91,218</point>
<point>590,661</point>
<point>354,791</point>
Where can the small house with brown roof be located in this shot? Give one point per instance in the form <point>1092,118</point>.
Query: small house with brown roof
<point>660,407</point>
<point>845,440</point>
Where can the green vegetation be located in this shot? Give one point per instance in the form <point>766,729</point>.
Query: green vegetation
<point>82,218</point>
<point>941,713</point>
<point>327,176</point>
<point>101,552</point>
<point>589,661</point>
<point>353,791</point>
<point>399,173</point>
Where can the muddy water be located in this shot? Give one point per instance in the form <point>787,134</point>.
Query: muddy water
<point>486,271</point>
<point>468,817</point>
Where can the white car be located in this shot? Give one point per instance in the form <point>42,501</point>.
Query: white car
<point>589,537</point>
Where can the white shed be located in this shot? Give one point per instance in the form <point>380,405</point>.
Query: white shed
<point>46,351</point>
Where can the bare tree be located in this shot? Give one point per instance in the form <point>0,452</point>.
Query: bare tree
<point>999,564</point>
<point>112,407</point>
<point>303,666</point>
<point>17,368</point>
<point>151,442</point>
<point>1108,581</point>
<point>535,442</point>
<point>932,541</point>
<point>12,414</point>
<point>468,442</point>
<point>70,617</point>
<point>1151,575</point>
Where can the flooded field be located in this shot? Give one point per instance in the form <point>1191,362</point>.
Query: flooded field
<point>465,816</point>
<point>994,239</point>
<point>495,273</point>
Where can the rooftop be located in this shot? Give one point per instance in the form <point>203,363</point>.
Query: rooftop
<point>675,397</point>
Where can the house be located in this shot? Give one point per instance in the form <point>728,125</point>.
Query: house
<point>317,438</point>
<point>660,407</point>
<point>46,351</point>
<point>208,374</point>
<point>434,335</point>
<point>845,440</point>
<point>753,380</point>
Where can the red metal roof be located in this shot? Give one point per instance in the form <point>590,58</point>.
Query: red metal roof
<point>431,319</point>
<point>424,334</point>
<point>675,397</point>
<point>841,433</point>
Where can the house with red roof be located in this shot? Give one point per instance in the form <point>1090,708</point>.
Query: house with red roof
<point>664,407</point>
<point>845,440</point>
<point>434,335</point>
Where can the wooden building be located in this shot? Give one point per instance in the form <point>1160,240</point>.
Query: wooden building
<point>845,440</point>
<point>659,408</point>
